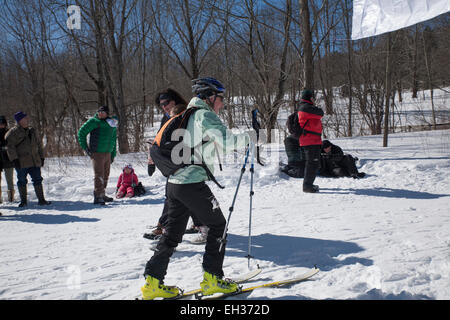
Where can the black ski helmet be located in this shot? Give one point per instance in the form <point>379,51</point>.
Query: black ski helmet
<point>206,87</point>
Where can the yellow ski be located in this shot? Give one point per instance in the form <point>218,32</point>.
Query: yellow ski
<point>274,284</point>
<point>243,279</point>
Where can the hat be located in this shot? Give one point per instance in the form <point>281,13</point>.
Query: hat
<point>165,96</point>
<point>19,116</point>
<point>169,95</point>
<point>129,166</point>
<point>3,120</point>
<point>326,144</point>
<point>307,94</point>
<point>103,109</point>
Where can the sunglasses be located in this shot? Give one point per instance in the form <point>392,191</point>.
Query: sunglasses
<point>165,103</point>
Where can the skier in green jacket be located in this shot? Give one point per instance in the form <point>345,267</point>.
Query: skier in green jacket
<point>101,149</point>
<point>187,193</point>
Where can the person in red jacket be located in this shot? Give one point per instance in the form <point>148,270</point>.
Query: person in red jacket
<point>126,183</point>
<point>310,119</point>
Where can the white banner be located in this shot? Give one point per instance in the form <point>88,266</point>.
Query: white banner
<point>374,17</point>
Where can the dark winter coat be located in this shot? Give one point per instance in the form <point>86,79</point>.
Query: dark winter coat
<point>4,159</point>
<point>310,119</point>
<point>336,163</point>
<point>330,161</point>
<point>293,150</point>
<point>24,145</point>
<point>164,119</point>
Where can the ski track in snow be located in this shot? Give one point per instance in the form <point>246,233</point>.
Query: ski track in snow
<point>386,236</point>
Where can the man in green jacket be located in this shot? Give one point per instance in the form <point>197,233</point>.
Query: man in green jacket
<point>188,193</point>
<point>101,149</point>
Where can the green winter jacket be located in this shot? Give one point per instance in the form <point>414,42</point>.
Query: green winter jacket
<point>103,135</point>
<point>204,124</point>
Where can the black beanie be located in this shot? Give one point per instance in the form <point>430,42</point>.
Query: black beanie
<point>326,144</point>
<point>170,94</point>
<point>307,94</point>
<point>104,109</point>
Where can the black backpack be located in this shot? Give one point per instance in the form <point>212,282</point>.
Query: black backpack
<point>162,150</point>
<point>139,190</point>
<point>293,125</point>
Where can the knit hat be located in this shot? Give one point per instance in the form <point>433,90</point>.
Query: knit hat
<point>169,95</point>
<point>19,116</point>
<point>103,109</point>
<point>3,120</point>
<point>307,94</point>
<point>326,144</point>
<point>129,166</point>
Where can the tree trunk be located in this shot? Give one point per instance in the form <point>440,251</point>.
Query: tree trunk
<point>308,66</point>
<point>430,82</point>
<point>349,68</point>
<point>388,91</point>
<point>415,85</point>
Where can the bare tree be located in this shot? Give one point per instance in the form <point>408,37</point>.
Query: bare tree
<point>190,22</point>
<point>308,62</point>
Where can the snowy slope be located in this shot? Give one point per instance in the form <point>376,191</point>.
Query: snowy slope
<point>386,236</point>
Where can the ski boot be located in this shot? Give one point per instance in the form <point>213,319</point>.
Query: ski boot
<point>192,229</point>
<point>153,288</point>
<point>155,234</point>
<point>202,236</point>
<point>211,284</point>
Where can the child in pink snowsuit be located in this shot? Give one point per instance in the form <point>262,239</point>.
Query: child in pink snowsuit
<point>126,182</point>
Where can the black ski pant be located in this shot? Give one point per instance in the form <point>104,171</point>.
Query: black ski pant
<point>294,152</point>
<point>312,156</point>
<point>346,167</point>
<point>183,199</point>
<point>164,216</point>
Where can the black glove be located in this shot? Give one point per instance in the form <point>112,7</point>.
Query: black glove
<point>16,163</point>
<point>150,169</point>
<point>42,162</point>
<point>88,152</point>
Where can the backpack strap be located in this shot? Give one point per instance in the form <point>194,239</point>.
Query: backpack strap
<point>304,131</point>
<point>204,166</point>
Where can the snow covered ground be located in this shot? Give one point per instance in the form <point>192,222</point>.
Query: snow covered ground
<point>386,236</point>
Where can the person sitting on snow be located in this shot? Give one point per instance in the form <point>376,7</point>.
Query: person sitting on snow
<point>334,163</point>
<point>296,158</point>
<point>126,183</point>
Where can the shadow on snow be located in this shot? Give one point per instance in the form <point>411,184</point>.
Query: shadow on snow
<point>385,192</point>
<point>294,251</point>
<point>41,218</point>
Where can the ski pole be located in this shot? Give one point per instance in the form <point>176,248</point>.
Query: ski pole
<point>256,126</point>
<point>218,156</point>
<point>224,236</point>
<point>252,170</point>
